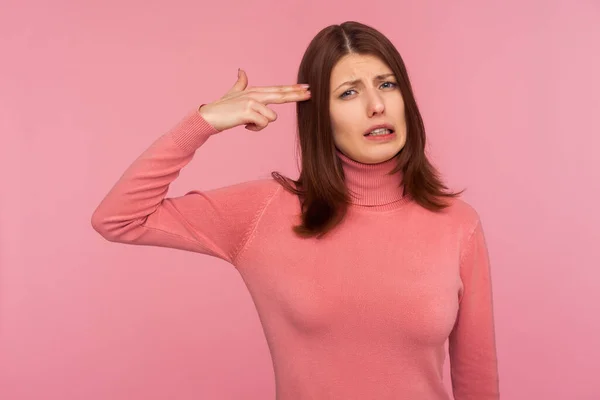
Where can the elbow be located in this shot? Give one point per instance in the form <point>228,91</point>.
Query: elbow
<point>115,229</point>
<point>100,225</point>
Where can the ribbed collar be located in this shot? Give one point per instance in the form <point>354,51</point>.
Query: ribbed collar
<point>371,186</point>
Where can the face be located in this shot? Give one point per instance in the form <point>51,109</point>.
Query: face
<point>364,94</point>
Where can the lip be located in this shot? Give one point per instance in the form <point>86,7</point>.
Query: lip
<point>386,126</point>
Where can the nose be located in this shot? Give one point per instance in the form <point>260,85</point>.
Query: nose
<point>376,105</point>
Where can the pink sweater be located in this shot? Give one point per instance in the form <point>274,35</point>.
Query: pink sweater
<point>362,314</point>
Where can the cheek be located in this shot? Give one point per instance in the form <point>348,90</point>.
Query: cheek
<point>400,106</point>
<point>337,119</point>
<point>343,119</point>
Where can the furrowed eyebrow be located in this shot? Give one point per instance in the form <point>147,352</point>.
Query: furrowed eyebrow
<point>354,82</point>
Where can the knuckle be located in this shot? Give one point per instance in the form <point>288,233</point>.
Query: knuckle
<point>250,104</point>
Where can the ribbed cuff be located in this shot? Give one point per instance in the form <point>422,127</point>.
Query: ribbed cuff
<point>192,131</point>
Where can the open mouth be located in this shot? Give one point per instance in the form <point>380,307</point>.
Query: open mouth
<point>380,132</point>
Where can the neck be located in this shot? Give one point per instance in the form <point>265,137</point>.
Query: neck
<point>371,185</point>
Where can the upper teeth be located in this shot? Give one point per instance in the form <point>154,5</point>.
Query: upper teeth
<point>380,131</point>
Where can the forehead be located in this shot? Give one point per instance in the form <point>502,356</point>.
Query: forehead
<point>355,66</point>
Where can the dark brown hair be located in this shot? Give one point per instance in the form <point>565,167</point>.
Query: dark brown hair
<point>321,187</point>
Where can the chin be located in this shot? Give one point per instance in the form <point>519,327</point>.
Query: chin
<point>376,156</point>
<point>369,154</point>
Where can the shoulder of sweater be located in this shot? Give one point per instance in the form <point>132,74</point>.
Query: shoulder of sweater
<point>463,213</point>
<point>258,187</point>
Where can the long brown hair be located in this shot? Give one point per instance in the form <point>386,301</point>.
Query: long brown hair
<point>321,187</point>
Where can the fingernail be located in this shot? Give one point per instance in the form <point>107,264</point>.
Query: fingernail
<point>305,85</point>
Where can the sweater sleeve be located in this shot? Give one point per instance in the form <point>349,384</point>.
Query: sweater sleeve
<point>472,347</point>
<point>217,222</point>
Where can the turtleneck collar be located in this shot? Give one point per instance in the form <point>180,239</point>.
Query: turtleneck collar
<point>371,186</point>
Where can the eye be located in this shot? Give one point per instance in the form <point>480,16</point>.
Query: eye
<point>346,93</point>
<point>385,85</point>
<point>393,85</point>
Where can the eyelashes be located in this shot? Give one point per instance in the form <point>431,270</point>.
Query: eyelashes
<point>348,92</point>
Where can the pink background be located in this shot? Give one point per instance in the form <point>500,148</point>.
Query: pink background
<point>510,96</point>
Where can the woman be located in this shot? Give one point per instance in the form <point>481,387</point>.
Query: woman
<point>362,268</point>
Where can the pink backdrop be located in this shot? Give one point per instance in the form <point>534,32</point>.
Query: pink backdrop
<point>510,96</point>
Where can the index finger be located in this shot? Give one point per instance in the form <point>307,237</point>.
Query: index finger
<point>282,96</point>
<point>279,88</point>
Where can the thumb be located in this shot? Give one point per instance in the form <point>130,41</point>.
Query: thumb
<point>241,83</point>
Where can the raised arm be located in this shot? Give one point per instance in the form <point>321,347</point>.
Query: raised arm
<point>216,222</point>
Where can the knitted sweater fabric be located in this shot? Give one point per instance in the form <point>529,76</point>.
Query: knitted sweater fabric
<point>364,312</point>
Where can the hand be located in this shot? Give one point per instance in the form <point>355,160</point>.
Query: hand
<point>243,105</point>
